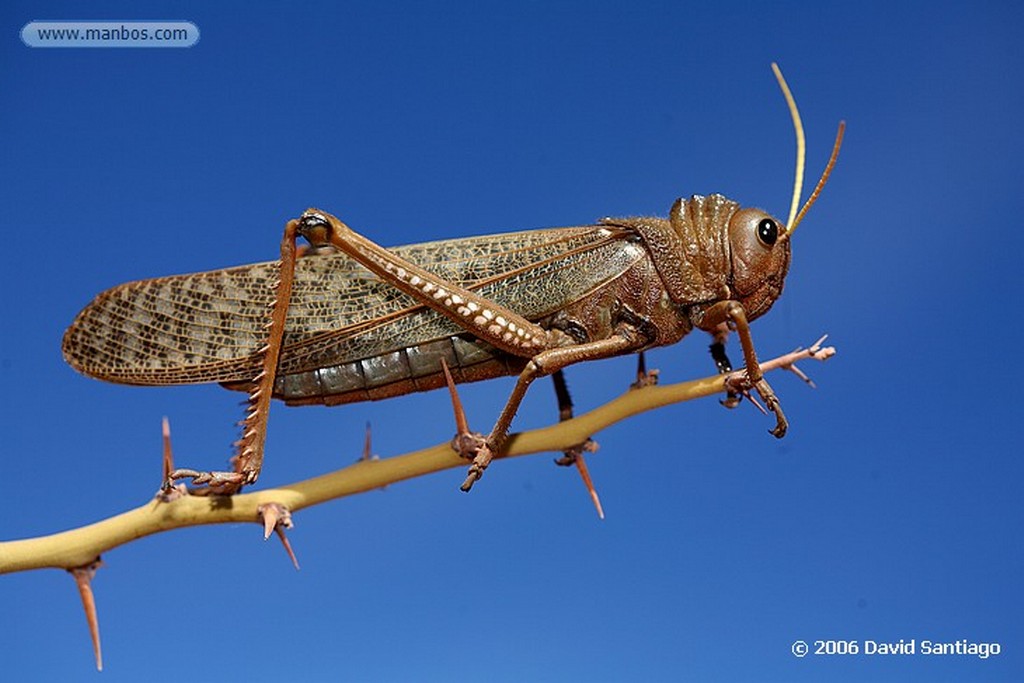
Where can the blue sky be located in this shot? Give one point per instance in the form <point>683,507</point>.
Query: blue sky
<point>892,509</point>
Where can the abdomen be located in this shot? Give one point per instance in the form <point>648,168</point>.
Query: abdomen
<point>395,373</point>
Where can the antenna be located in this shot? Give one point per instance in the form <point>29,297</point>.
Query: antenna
<point>801,151</point>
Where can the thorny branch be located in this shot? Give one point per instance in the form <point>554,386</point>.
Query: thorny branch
<point>78,550</point>
<point>80,547</point>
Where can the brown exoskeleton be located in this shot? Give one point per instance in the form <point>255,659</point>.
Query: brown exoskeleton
<point>354,321</point>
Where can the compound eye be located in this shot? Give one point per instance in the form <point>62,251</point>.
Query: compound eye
<point>767,231</point>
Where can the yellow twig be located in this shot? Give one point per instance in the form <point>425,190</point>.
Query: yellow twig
<point>81,546</point>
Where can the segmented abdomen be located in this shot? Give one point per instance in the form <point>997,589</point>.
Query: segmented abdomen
<point>415,368</point>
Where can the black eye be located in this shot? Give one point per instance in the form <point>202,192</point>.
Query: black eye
<point>767,231</point>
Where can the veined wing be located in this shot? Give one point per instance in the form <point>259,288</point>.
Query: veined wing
<point>209,326</point>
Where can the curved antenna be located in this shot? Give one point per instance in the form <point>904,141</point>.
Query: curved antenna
<point>801,148</point>
<point>824,177</point>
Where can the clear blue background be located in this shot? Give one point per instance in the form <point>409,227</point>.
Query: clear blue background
<point>892,510</point>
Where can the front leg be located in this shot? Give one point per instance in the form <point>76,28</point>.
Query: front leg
<point>733,314</point>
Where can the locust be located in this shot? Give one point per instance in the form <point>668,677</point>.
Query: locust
<point>346,320</point>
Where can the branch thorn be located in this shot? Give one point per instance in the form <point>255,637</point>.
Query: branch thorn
<point>368,454</point>
<point>574,456</point>
<point>83,578</point>
<point>644,377</point>
<point>168,489</point>
<point>276,518</point>
<point>168,452</point>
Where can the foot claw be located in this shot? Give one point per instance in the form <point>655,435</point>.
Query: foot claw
<point>772,402</point>
<point>466,443</point>
<point>476,470</point>
<point>570,455</point>
<point>212,483</point>
<point>738,382</point>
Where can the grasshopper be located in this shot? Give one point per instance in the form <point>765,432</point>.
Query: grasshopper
<point>352,321</point>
